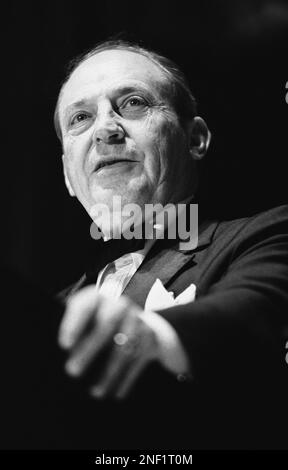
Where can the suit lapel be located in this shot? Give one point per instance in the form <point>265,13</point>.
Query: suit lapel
<point>163,266</point>
<point>164,263</point>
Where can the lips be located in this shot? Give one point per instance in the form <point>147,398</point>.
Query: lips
<point>109,162</point>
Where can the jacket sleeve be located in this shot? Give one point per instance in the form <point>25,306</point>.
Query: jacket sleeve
<point>240,324</point>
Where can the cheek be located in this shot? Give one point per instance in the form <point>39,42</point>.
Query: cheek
<point>167,144</point>
<point>75,149</point>
<point>174,144</point>
<point>154,142</point>
<point>69,145</point>
<point>74,158</point>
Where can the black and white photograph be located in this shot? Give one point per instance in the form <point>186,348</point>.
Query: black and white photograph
<point>144,261</point>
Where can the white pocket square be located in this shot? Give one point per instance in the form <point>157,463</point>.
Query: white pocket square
<point>159,298</point>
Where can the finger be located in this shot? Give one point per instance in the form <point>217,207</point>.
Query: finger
<point>90,347</point>
<point>138,350</point>
<point>129,380</point>
<point>79,310</point>
<point>121,362</point>
<point>109,318</point>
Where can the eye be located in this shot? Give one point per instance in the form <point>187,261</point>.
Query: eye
<point>79,118</point>
<point>135,101</point>
<point>133,106</point>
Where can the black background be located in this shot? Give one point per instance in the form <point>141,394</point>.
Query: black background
<point>235,56</point>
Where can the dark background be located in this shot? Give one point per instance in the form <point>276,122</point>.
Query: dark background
<point>235,56</point>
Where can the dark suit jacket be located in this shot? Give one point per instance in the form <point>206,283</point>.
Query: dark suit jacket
<point>234,333</point>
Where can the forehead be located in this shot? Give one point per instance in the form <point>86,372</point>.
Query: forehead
<point>110,69</point>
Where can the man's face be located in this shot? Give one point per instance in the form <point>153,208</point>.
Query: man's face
<point>121,135</point>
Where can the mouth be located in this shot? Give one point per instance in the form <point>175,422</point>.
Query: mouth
<point>111,163</point>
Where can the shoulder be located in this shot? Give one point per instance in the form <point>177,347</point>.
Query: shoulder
<point>262,224</point>
<point>267,229</point>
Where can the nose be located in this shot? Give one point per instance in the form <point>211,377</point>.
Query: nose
<point>107,130</point>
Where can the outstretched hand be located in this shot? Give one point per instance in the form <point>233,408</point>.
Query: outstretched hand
<point>94,323</point>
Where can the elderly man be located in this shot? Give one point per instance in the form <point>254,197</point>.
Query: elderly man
<point>212,317</point>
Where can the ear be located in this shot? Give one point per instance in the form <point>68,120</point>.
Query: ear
<point>199,138</point>
<point>67,182</point>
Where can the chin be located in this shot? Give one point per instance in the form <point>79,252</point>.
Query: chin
<point>111,197</point>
